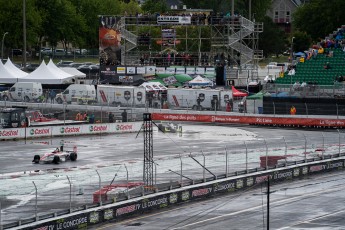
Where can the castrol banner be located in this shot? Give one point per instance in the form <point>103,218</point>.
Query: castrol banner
<point>255,120</point>
<point>67,130</point>
<point>15,133</point>
<point>38,132</point>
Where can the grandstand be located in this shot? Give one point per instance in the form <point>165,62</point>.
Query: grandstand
<point>313,71</point>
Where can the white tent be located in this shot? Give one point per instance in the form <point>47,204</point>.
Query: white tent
<point>16,71</point>
<point>6,76</point>
<point>57,70</point>
<point>200,81</point>
<point>45,75</point>
<point>73,71</point>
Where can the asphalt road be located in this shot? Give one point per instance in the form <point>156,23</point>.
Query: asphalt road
<point>108,154</point>
<point>312,203</point>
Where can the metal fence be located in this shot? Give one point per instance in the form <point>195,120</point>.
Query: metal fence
<point>39,195</point>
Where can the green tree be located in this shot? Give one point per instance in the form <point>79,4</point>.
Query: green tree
<point>154,6</point>
<point>318,18</point>
<point>272,40</point>
<point>301,41</point>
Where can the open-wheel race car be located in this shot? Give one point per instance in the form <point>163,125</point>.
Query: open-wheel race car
<point>57,156</point>
<point>169,127</point>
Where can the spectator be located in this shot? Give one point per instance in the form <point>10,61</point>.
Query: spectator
<point>327,66</point>
<point>111,118</point>
<point>52,96</point>
<point>78,116</point>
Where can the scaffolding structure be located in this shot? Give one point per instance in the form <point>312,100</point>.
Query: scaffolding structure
<point>228,41</point>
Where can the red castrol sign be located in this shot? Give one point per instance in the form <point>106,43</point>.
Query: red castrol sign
<point>9,133</point>
<point>40,131</point>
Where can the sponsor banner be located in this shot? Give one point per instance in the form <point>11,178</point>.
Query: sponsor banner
<point>141,70</point>
<point>67,130</point>
<point>250,120</point>
<point>126,127</point>
<point>201,192</point>
<point>329,166</point>
<point>38,132</point>
<point>228,186</point>
<point>125,79</point>
<point>130,70</point>
<point>170,70</point>
<point>121,69</point>
<point>190,70</point>
<point>98,128</point>
<point>174,20</point>
<point>210,70</point>
<point>150,69</point>
<point>160,69</point>
<point>80,221</point>
<point>200,70</point>
<point>12,133</point>
<point>180,70</point>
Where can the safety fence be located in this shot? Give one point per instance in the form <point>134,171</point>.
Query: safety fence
<point>38,195</point>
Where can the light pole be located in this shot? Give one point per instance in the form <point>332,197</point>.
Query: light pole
<point>2,45</point>
<point>291,52</point>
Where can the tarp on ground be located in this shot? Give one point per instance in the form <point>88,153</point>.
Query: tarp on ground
<point>18,73</point>
<point>237,93</point>
<point>6,76</point>
<point>45,75</point>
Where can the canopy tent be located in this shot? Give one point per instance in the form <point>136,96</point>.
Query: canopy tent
<point>6,76</point>
<point>237,93</point>
<point>15,70</point>
<point>153,86</point>
<point>57,70</point>
<point>73,71</point>
<point>200,81</point>
<point>45,75</point>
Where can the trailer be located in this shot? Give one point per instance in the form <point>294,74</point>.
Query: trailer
<point>121,95</point>
<point>199,99</point>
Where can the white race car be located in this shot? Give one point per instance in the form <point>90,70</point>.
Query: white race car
<point>57,156</point>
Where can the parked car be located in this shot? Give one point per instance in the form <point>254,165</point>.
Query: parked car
<point>46,51</point>
<point>19,52</point>
<point>64,63</point>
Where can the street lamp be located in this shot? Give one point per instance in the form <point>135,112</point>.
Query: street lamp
<point>2,45</point>
<point>291,54</point>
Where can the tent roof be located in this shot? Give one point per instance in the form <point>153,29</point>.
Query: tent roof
<point>73,71</point>
<point>198,80</point>
<point>12,68</point>
<point>183,77</point>
<point>237,93</point>
<point>6,76</point>
<point>45,75</point>
<point>57,70</point>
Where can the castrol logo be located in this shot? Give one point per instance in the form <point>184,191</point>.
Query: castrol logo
<point>39,131</point>
<point>70,130</point>
<point>9,133</point>
<point>98,128</point>
<point>124,127</point>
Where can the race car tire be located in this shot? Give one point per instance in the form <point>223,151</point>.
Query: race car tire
<point>73,156</point>
<point>56,160</point>
<point>36,159</point>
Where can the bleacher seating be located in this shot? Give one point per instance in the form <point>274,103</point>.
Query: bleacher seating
<point>313,70</point>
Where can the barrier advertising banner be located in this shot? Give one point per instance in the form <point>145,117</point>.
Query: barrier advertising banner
<point>259,120</point>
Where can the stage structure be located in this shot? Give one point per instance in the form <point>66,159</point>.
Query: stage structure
<point>198,40</point>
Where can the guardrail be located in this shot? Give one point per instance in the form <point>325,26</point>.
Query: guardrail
<point>188,191</point>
